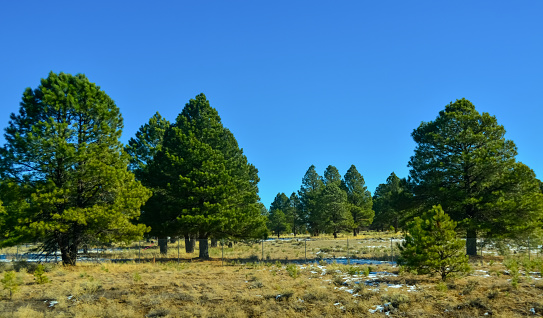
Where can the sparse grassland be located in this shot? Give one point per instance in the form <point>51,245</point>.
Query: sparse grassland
<point>271,289</point>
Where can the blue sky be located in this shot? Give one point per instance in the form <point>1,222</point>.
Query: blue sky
<point>297,82</point>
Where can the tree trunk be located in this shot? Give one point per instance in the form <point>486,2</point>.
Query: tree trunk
<point>277,234</point>
<point>335,235</point>
<point>173,239</point>
<point>230,244</point>
<point>163,245</point>
<point>204,248</point>
<point>354,232</point>
<point>189,244</point>
<point>471,242</point>
<point>214,242</point>
<point>68,249</point>
<point>68,254</point>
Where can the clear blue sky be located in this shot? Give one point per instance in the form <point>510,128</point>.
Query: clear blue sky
<point>297,82</point>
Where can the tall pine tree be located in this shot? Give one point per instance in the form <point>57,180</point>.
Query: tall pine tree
<point>358,199</point>
<point>336,215</point>
<point>278,220</point>
<point>142,149</point>
<point>295,214</point>
<point>463,162</point>
<point>309,193</point>
<point>64,160</point>
<point>393,203</point>
<point>203,179</point>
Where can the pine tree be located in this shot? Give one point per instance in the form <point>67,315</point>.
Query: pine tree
<point>295,214</point>
<point>331,175</point>
<point>282,220</point>
<point>358,198</point>
<point>277,222</point>
<point>463,161</point>
<point>143,147</point>
<point>336,215</point>
<point>203,180</point>
<point>309,193</point>
<point>280,202</point>
<point>66,166</point>
<point>431,245</point>
<point>142,150</point>
<point>393,203</point>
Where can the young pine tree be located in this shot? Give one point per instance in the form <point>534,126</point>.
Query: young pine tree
<point>431,245</point>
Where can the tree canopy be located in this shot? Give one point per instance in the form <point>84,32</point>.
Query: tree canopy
<point>463,162</point>
<point>203,180</point>
<point>309,193</point>
<point>143,147</point>
<point>142,150</point>
<point>392,203</point>
<point>358,198</point>
<point>63,170</point>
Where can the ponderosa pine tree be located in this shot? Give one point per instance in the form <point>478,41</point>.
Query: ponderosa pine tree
<point>142,149</point>
<point>277,222</point>
<point>358,198</point>
<point>331,175</point>
<point>431,246</point>
<point>280,202</point>
<point>463,162</point>
<point>64,160</point>
<point>295,214</point>
<point>336,215</point>
<point>201,176</point>
<point>392,203</point>
<point>309,193</point>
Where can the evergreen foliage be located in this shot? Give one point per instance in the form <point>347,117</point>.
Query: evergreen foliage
<point>358,198</point>
<point>336,215</point>
<point>463,161</point>
<point>202,179</point>
<point>143,147</point>
<point>431,245</point>
<point>312,186</point>
<point>11,282</point>
<point>295,215</point>
<point>277,222</point>
<point>392,203</point>
<point>63,170</point>
<point>331,175</point>
<point>280,202</point>
<point>142,150</point>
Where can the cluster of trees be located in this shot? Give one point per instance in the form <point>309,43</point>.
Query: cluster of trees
<point>67,181</point>
<point>327,204</point>
<point>462,163</point>
<point>203,186</point>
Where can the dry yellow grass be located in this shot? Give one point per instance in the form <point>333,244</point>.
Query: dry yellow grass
<point>207,289</point>
<point>249,287</point>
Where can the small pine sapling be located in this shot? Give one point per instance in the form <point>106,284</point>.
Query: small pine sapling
<point>39,275</point>
<point>10,282</point>
<point>431,246</point>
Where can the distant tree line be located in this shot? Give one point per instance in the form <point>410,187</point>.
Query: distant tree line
<point>327,204</point>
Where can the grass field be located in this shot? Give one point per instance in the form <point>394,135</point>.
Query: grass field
<point>279,287</point>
